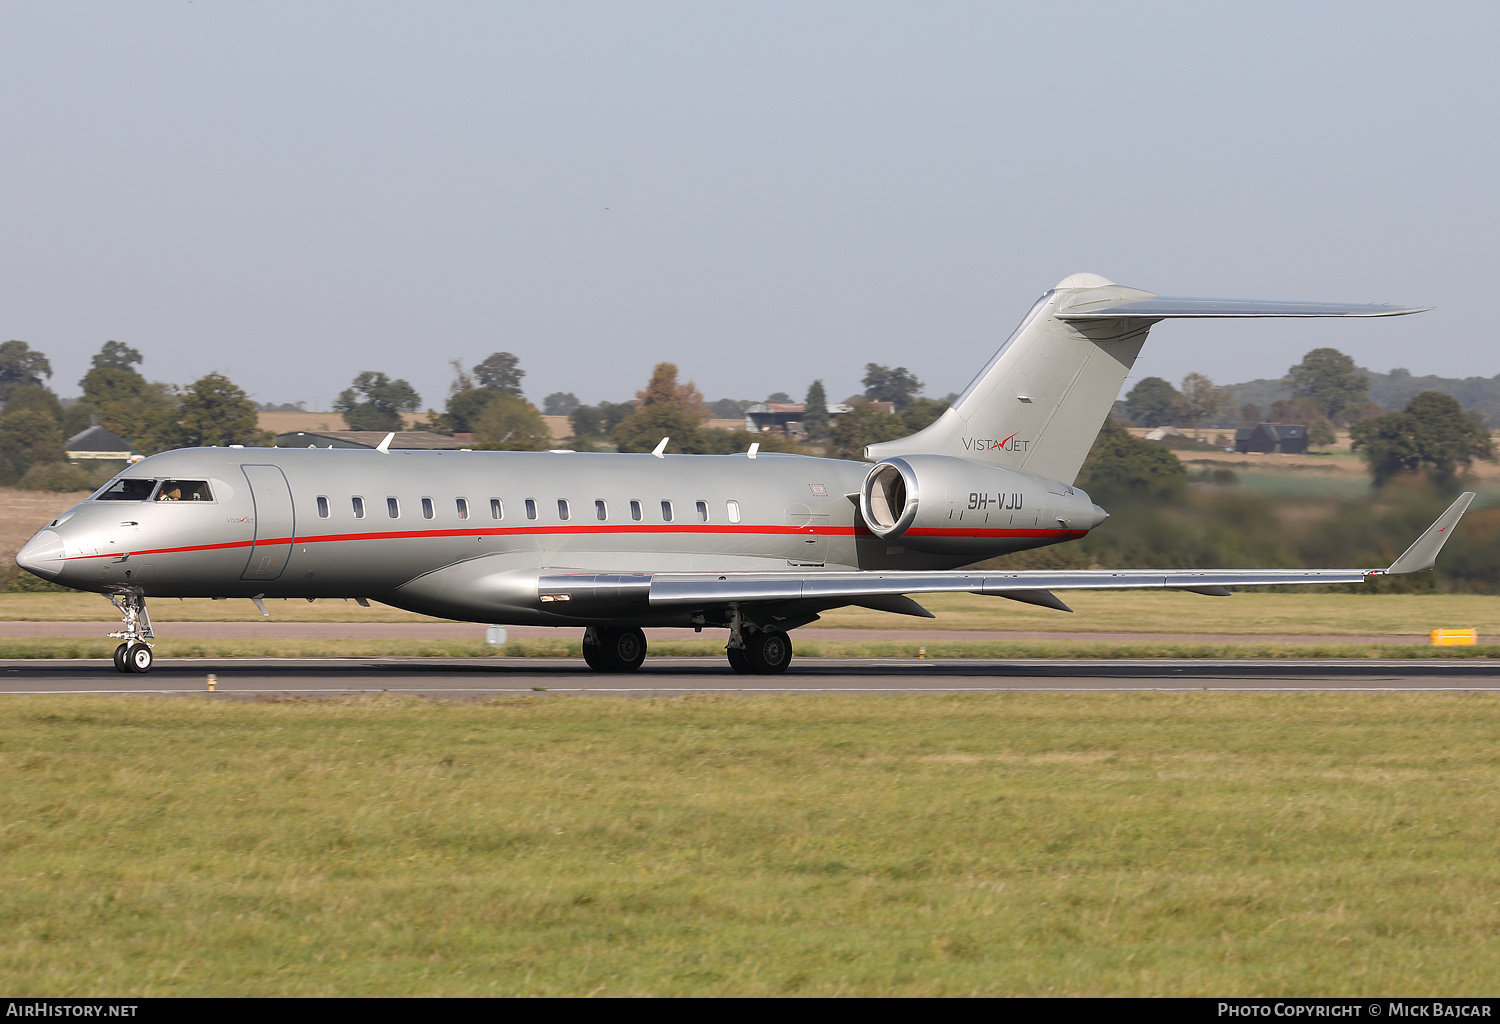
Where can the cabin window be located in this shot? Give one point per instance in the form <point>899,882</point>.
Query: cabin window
<point>359,507</point>
<point>666,511</point>
<point>497,510</point>
<point>601,510</point>
<point>127,490</point>
<point>184,490</point>
<point>463,507</point>
<point>426,508</point>
<point>702,511</point>
<point>530,508</point>
<point>734,510</point>
<point>393,508</point>
<point>562,509</point>
<point>635,511</point>
<point>322,506</point>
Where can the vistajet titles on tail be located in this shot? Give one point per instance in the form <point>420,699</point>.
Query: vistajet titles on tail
<point>754,544</point>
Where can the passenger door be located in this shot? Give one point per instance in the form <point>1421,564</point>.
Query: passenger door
<point>275,525</point>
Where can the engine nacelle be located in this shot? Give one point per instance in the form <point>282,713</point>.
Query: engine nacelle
<point>947,505</point>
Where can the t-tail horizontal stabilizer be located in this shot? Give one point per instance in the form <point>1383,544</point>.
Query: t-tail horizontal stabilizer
<point>1038,405</point>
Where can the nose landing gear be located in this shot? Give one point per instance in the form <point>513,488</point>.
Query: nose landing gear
<point>134,655</point>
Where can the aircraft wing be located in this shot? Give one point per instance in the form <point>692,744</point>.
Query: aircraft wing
<point>830,589</point>
<point>678,588</point>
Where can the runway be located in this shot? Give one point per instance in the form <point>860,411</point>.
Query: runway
<point>455,678</point>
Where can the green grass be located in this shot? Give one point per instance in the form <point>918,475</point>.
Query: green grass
<point>806,646</point>
<point>1024,844</point>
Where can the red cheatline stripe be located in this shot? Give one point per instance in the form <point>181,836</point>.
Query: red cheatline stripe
<point>687,528</point>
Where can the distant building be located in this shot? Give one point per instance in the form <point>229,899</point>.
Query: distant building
<point>97,445</point>
<point>424,440</point>
<point>1162,433</point>
<point>1265,438</point>
<point>786,417</point>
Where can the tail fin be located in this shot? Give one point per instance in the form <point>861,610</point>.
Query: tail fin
<point>1040,402</point>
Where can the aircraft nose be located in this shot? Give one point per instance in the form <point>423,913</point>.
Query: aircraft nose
<point>42,555</point>
<point>1096,515</point>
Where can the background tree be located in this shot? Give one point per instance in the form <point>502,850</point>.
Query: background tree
<point>375,402</point>
<point>510,423</point>
<point>29,396</point>
<point>215,411</point>
<point>560,403</point>
<point>1202,400</point>
<point>1432,432</point>
<point>20,364</point>
<point>115,356</point>
<point>778,396</point>
<point>815,411</point>
<point>1121,466</point>
<point>29,436</point>
<point>864,424</point>
<point>1250,415</point>
<point>1153,402</point>
<point>663,389</point>
<point>883,384</point>
<point>1321,433</point>
<point>643,429</point>
<point>1294,410</point>
<point>729,408</point>
<point>1331,380</point>
<point>130,407</point>
<point>500,372</point>
<point>462,379</point>
<point>923,411</point>
<point>465,406</point>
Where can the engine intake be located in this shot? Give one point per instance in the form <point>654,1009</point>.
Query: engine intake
<point>946,505</point>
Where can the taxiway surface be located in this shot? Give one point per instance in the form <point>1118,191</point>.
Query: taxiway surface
<point>449,678</point>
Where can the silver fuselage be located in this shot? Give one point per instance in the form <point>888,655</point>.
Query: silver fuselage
<point>282,524</point>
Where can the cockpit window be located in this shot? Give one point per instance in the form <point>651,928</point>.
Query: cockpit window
<point>127,489</point>
<point>184,490</point>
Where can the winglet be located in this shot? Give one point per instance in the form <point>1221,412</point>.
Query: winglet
<point>661,446</point>
<point>385,446</point>
<point>1423,553</point>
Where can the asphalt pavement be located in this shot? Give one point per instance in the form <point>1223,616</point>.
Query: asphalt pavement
<point>448,678</point>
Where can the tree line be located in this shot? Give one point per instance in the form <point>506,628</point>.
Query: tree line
<point>149,415</point>
<point>1432,434</point>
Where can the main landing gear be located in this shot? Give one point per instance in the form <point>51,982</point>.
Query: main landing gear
<point>757,650</point>
<point>766,652</point>
<point>752,650</point>
<point>134,655</point>
<point>608,649</point>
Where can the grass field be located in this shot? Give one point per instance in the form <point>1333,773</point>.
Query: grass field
<point>1312,613</point>
<point>1087,844</point>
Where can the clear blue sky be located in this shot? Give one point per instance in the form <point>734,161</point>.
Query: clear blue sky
<point>761,192</point>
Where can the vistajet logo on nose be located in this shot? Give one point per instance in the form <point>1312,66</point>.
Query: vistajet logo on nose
<point>990,444</point>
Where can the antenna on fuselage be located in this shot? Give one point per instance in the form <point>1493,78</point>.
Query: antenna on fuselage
<point>661,446</point>
<point>384,447</point>
<point>754,449</point>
